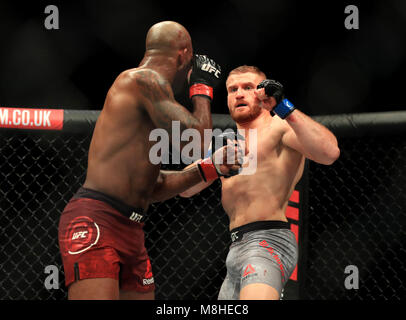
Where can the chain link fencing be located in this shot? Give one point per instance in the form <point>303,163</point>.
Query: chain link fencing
<point>356,216</point>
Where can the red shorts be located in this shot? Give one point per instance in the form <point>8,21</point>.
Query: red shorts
<point>96,241</point>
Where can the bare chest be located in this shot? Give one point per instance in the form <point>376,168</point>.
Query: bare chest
<point>263,145</point>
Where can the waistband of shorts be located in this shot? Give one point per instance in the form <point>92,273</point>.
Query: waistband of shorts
<point>237,233</point>
<point>132,213</point>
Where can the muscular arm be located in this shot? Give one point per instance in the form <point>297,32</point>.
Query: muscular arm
<point>184,183</point>
<point>311,138</point>
<point>162,108</point>
<point>196,188</point>
<point>171,183</point>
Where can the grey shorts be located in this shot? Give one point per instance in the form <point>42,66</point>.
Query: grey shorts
<point>260,256</point>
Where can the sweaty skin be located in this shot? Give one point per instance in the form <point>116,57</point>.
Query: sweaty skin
<point>281,149</point>
<point>264,195</point>
<point>280,152</point>
<point>140,100</point>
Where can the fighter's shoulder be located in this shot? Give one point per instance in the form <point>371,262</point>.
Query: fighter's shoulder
<point>139,74</point>
<point>148,81</point>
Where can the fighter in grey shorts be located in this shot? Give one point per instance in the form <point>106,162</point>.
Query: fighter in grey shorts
<point>264,251</point>
<point>261,252</point>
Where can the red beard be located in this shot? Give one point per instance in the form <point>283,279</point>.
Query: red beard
<point>243,116</point>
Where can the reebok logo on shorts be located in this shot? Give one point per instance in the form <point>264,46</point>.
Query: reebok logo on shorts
<point>148,277</point>
<point>146,282</point>
<point>248,270</point>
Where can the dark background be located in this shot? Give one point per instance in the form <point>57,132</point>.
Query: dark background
<point>356,206</point>
<point>326,69</point>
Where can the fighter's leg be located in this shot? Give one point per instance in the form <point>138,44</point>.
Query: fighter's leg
<point>91,265</point>
<point>134,295</point>
<point>229,289</point>
<point>94,289</point>
<point>260,280</point>
<point>268,266</point>
<point>259,291</point>
<point>136,277</point>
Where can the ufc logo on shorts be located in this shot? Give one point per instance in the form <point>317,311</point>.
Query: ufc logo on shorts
<point>80,234</point>
<point>210,69</point>
<point>234,236</point>
<point>136,217</point>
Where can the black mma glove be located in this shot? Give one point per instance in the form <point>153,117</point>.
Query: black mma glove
<point>275,89</point>
<point>204,77</point>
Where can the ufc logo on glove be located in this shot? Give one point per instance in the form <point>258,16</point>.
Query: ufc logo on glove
<point>209,68</point>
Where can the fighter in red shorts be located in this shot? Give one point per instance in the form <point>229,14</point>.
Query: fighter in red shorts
<point>100,231</point>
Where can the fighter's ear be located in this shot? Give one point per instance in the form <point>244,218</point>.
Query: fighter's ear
<point>183,58</point>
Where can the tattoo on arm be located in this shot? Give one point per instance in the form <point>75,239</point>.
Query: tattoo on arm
<point>160,102</point>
